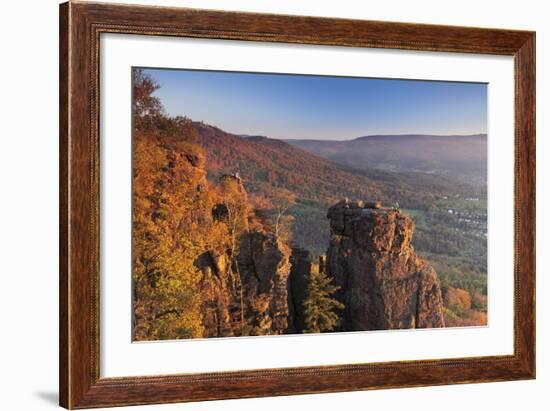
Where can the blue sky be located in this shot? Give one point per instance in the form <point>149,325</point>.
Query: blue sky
<point>322,107</point>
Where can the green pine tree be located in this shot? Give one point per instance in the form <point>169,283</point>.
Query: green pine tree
<point>320,308</point>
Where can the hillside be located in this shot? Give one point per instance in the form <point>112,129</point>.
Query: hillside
<point>463,157</point>
<point>267,165</point>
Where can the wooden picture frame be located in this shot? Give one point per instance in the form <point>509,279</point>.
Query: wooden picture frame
<point>80,27</point>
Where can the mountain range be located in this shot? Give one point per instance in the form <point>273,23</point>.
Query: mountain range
<point>266,163</point>
<point>461,156</point>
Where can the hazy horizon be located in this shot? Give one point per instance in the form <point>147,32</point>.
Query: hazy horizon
<point>312,107</point>
<point>367,136</point>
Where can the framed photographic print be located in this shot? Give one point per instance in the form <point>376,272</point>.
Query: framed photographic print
<point>257,205</point>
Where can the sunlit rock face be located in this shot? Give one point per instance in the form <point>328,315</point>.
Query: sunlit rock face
<point>244,284</point>
<point>384,283</point>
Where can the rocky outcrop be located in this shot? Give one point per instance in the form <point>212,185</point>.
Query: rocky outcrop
<point>220,291</point>
<point>244,279</point>
<point>247,295</point>
<point>383,283</point>
<point>260,290</point>
<point>264,266</point>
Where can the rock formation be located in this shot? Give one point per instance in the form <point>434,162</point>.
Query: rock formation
<point>220,290</point>
<point>384,283</point>
<point>264,266</point>
<point>244,285</point>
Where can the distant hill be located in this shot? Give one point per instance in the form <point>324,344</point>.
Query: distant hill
<point>265,162</point>
<point>463,157</point>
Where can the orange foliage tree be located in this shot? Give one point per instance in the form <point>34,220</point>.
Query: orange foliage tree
<point>167,210</point>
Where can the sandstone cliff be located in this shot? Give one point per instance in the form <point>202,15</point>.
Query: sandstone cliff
<point>384,283</point>
<point>264,267</point>
<point>244,284</point>
<point>219,290</point>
